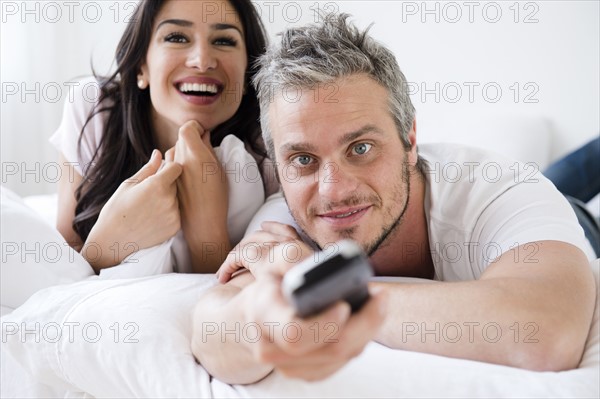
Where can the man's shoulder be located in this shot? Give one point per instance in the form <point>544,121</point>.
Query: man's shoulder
<point>456,168</point>
<point>451,153</point>
<point>462,181</point>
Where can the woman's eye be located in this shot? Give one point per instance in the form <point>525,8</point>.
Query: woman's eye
<point>176,38</point>
<point>361,149</point>
<point>226,41</point>
<point>302,160</point>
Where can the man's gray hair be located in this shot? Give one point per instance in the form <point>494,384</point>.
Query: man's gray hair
<point>319,54</point>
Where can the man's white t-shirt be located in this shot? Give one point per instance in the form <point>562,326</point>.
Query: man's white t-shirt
<point>478,205</point>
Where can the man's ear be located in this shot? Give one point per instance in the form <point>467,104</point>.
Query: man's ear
<point>412,135</point>
<point>412,138</point>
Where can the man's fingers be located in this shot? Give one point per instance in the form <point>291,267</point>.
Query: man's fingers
<point>335,341</point>
<point>280,229</point>
<point>229,266</point>
<point>298,338</point>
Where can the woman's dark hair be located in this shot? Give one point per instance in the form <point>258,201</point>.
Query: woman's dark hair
<point>127,140</point>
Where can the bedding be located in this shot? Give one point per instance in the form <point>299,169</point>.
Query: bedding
<point>88,336</point>
<point>33,253</point>
<point>131,338</point>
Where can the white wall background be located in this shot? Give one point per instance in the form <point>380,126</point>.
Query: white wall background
<point>506,74</point>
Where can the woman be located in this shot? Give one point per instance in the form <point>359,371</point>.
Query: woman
<point>181,87</point>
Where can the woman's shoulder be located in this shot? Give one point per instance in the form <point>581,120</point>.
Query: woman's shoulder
<point>84,93</point>
<point>85,103</point>
<point>76,143</point>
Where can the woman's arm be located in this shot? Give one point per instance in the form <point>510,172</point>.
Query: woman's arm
<point>203,198</point>
<point>70,179</point>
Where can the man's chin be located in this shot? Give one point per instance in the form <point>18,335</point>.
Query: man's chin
<point>326,241</point>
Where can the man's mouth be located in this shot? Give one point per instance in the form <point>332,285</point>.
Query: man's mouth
<point>344,213</point>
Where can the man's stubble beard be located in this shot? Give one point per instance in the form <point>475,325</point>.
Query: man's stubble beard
<point>386,230</point>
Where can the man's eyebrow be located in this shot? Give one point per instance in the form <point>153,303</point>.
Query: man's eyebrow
<point>186,24</point>
<point>351,136</point>
<point>346,138</point>
<point>298,147</point>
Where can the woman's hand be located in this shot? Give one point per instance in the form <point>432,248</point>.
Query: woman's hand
<point>203,198</point>
<point>143,212</point>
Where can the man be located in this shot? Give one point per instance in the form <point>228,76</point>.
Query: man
<point>338,121</point>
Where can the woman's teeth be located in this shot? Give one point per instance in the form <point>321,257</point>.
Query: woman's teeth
<point>198,88</point>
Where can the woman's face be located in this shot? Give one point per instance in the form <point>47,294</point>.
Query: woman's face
<point>195,64</point>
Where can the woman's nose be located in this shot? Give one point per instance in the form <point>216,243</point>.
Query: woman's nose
<point>202,58</point>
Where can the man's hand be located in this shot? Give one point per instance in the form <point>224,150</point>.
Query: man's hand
<point>311,348</point>
<point>264,250</point>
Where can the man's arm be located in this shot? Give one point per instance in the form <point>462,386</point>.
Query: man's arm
<point>311,349</point>
<point>246,328</point>
<point>532,314</point>
<point>227,359</point>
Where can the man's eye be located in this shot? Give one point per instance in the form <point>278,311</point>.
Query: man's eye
<point>176,37</point>
<point>361,149</point>
<point>302,160</point>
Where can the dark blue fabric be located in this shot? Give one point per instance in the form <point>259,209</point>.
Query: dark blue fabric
<point>590,225</point>
<point>577,176</point>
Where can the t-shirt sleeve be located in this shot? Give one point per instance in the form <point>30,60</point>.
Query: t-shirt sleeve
<point>481,205</point>
<point>524,214</point>
<point>79,104</point>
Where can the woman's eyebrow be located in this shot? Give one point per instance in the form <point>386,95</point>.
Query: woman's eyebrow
<point>222,26</point>
<point>185,23</point>
<point>178,22</point>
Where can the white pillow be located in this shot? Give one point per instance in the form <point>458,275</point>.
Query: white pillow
<point>118,338</point>
<point>34,254</point>
<point>132,339</point>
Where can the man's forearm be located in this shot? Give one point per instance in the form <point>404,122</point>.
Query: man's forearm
<point>215,343</point>
<point>538,321</point>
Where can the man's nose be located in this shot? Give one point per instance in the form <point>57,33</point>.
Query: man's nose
<point>337,183</point>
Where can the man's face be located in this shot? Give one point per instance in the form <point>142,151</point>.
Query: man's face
<point>342,166</point>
